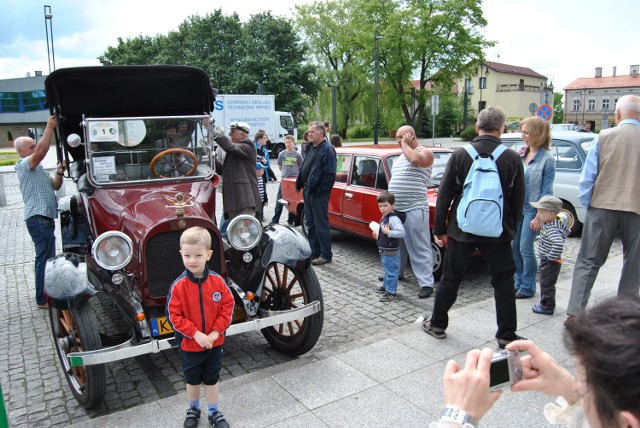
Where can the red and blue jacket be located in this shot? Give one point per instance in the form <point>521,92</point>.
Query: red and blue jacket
<point>199,304</point>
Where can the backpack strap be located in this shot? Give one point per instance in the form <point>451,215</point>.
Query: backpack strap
<point>472,152</point>
<point>498,151</point>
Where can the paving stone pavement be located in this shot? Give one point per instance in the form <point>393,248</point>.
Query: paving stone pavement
<point>36,392</point>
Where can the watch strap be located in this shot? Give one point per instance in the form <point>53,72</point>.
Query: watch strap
<point>454,414</point>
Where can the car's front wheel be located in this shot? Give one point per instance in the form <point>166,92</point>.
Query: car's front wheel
<point>75,330</point>
<point>571,218</point>
<point>284,289</point>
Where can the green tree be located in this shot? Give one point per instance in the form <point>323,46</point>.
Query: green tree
<point>434,40</point>
<point>328,28</point>
<point>558,108</point>
<point>235,55</point>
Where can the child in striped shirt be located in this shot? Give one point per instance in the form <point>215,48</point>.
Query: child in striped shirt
<point>261,187</point>
<point>550,243</point>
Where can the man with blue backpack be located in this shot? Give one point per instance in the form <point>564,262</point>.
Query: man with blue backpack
<point>480,197</point>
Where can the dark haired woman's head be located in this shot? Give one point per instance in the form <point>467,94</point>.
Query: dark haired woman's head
<point>605,340</point>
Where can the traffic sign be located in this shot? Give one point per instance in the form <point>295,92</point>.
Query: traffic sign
<point>545,111</point>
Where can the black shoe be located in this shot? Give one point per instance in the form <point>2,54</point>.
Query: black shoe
<point>504,342</point>
<point>425,292</point>
<point>320,261</point>
<point>380,289</point>
<point>217,420</point>
<point>193,417</point>
<point>388,297</point>
<point>522,296</point>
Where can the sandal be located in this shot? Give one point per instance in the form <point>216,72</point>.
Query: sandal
<point>436,332</point>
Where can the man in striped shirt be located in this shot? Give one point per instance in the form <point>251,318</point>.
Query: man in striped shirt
<point>409,182</point>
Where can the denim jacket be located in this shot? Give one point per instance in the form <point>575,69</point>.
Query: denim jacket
<point>538,178</point>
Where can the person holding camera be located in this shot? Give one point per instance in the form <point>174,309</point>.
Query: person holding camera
<point>605,343</point>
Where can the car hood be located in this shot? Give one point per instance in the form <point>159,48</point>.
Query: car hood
<point>136,211</point>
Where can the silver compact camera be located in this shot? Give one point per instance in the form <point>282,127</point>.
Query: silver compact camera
<point>505,370</point>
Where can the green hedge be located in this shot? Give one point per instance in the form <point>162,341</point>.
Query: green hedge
<point>359,131</point>
<point>469,133</point>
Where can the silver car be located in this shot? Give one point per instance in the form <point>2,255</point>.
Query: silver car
<point>570,149</point>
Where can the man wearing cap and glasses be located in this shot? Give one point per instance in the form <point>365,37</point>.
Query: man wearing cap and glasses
<point>240,185</point>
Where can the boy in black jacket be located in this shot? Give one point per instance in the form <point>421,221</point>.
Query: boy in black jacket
<point>388,236</point>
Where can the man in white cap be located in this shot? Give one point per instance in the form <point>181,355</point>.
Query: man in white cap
<point>240,185</point>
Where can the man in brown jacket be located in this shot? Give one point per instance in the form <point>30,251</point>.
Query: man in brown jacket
<point>609,188</point>
<point>240,185</point>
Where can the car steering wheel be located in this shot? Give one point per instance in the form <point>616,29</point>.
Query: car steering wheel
<point>173,167</point>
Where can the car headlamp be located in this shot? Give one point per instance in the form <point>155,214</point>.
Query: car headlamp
<point>244,232</point>
<point>112,250</point>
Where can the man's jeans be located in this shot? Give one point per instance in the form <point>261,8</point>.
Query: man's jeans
<point>42,231</point>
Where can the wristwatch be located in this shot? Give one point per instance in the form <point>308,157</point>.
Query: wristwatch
<point>453,414</point>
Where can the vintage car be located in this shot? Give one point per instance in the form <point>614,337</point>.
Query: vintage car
<point>569,148</point>
<point>362,172</point>
<point>138,188</point>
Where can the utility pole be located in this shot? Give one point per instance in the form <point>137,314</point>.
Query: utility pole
<point>376,122</point>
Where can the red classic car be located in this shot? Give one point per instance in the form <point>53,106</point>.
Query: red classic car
<point>362,172</point>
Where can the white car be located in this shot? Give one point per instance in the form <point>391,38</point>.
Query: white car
<point>564,127</point>
<point>569,148</point>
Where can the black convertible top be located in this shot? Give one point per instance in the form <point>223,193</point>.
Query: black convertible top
<point>129,91</point>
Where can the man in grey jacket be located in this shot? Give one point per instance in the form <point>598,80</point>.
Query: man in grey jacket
<point>240,185</point>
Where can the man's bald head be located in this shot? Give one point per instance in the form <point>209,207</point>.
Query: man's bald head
<point>24,146</point>
<point>628,107</point>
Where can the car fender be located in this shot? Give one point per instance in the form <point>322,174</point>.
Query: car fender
<point>285,245</point>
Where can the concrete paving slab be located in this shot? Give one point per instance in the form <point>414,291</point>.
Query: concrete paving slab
<point>386,360</point>
<point>377,406</point>
<point>323,382</point>
<point>306,420</point>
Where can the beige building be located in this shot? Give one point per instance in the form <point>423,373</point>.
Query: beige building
<point>513,88</point>
<point>593,99</point>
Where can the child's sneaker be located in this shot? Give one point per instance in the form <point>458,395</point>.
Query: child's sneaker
<point>192,419</point>
<point>217,420</point>
<point>388,297</point>
<point>544,310</point>
<point>380,289</point>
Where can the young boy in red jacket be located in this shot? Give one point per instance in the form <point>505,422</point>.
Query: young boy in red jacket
<point>200,308</point>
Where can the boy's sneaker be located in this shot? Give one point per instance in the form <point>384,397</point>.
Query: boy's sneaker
<point>193,417</point>
<point>380,289</point>
<point>544,310</point>
<point>217,420</point>
<point>388,297</point>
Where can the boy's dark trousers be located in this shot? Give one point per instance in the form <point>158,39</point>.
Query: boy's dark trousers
<point>548,270</point>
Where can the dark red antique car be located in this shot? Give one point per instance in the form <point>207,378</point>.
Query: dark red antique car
<point>362,173</point>
<point>139,186</point>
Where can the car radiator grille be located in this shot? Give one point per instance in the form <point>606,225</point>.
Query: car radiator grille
<point>164,263</point>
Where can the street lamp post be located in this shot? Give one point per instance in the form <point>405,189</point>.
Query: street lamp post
<point>48,28</point>
<point>376,124</point>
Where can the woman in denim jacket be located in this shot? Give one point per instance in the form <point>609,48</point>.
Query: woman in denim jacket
<point>540,170</point>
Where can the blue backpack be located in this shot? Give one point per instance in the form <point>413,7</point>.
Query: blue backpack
<point>481,207</point>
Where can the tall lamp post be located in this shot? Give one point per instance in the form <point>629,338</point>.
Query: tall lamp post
<point>376,124</point>
<point>48,28</point>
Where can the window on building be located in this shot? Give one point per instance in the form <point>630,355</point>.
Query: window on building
<point>482,84</point>
<point>591,104</point>
<point>20,102</point>
<point>576,104</point>
<point>605,104</point>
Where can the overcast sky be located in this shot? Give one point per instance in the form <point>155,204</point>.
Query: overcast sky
<point>562,39</point>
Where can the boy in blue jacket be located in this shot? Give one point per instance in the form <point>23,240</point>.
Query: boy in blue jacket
<point>200,308</point>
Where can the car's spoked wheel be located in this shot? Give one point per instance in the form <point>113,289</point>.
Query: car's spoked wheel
<point>568,213</point>
<point>285,288</point>
<point>75,330</point>
<point>438,259</point>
